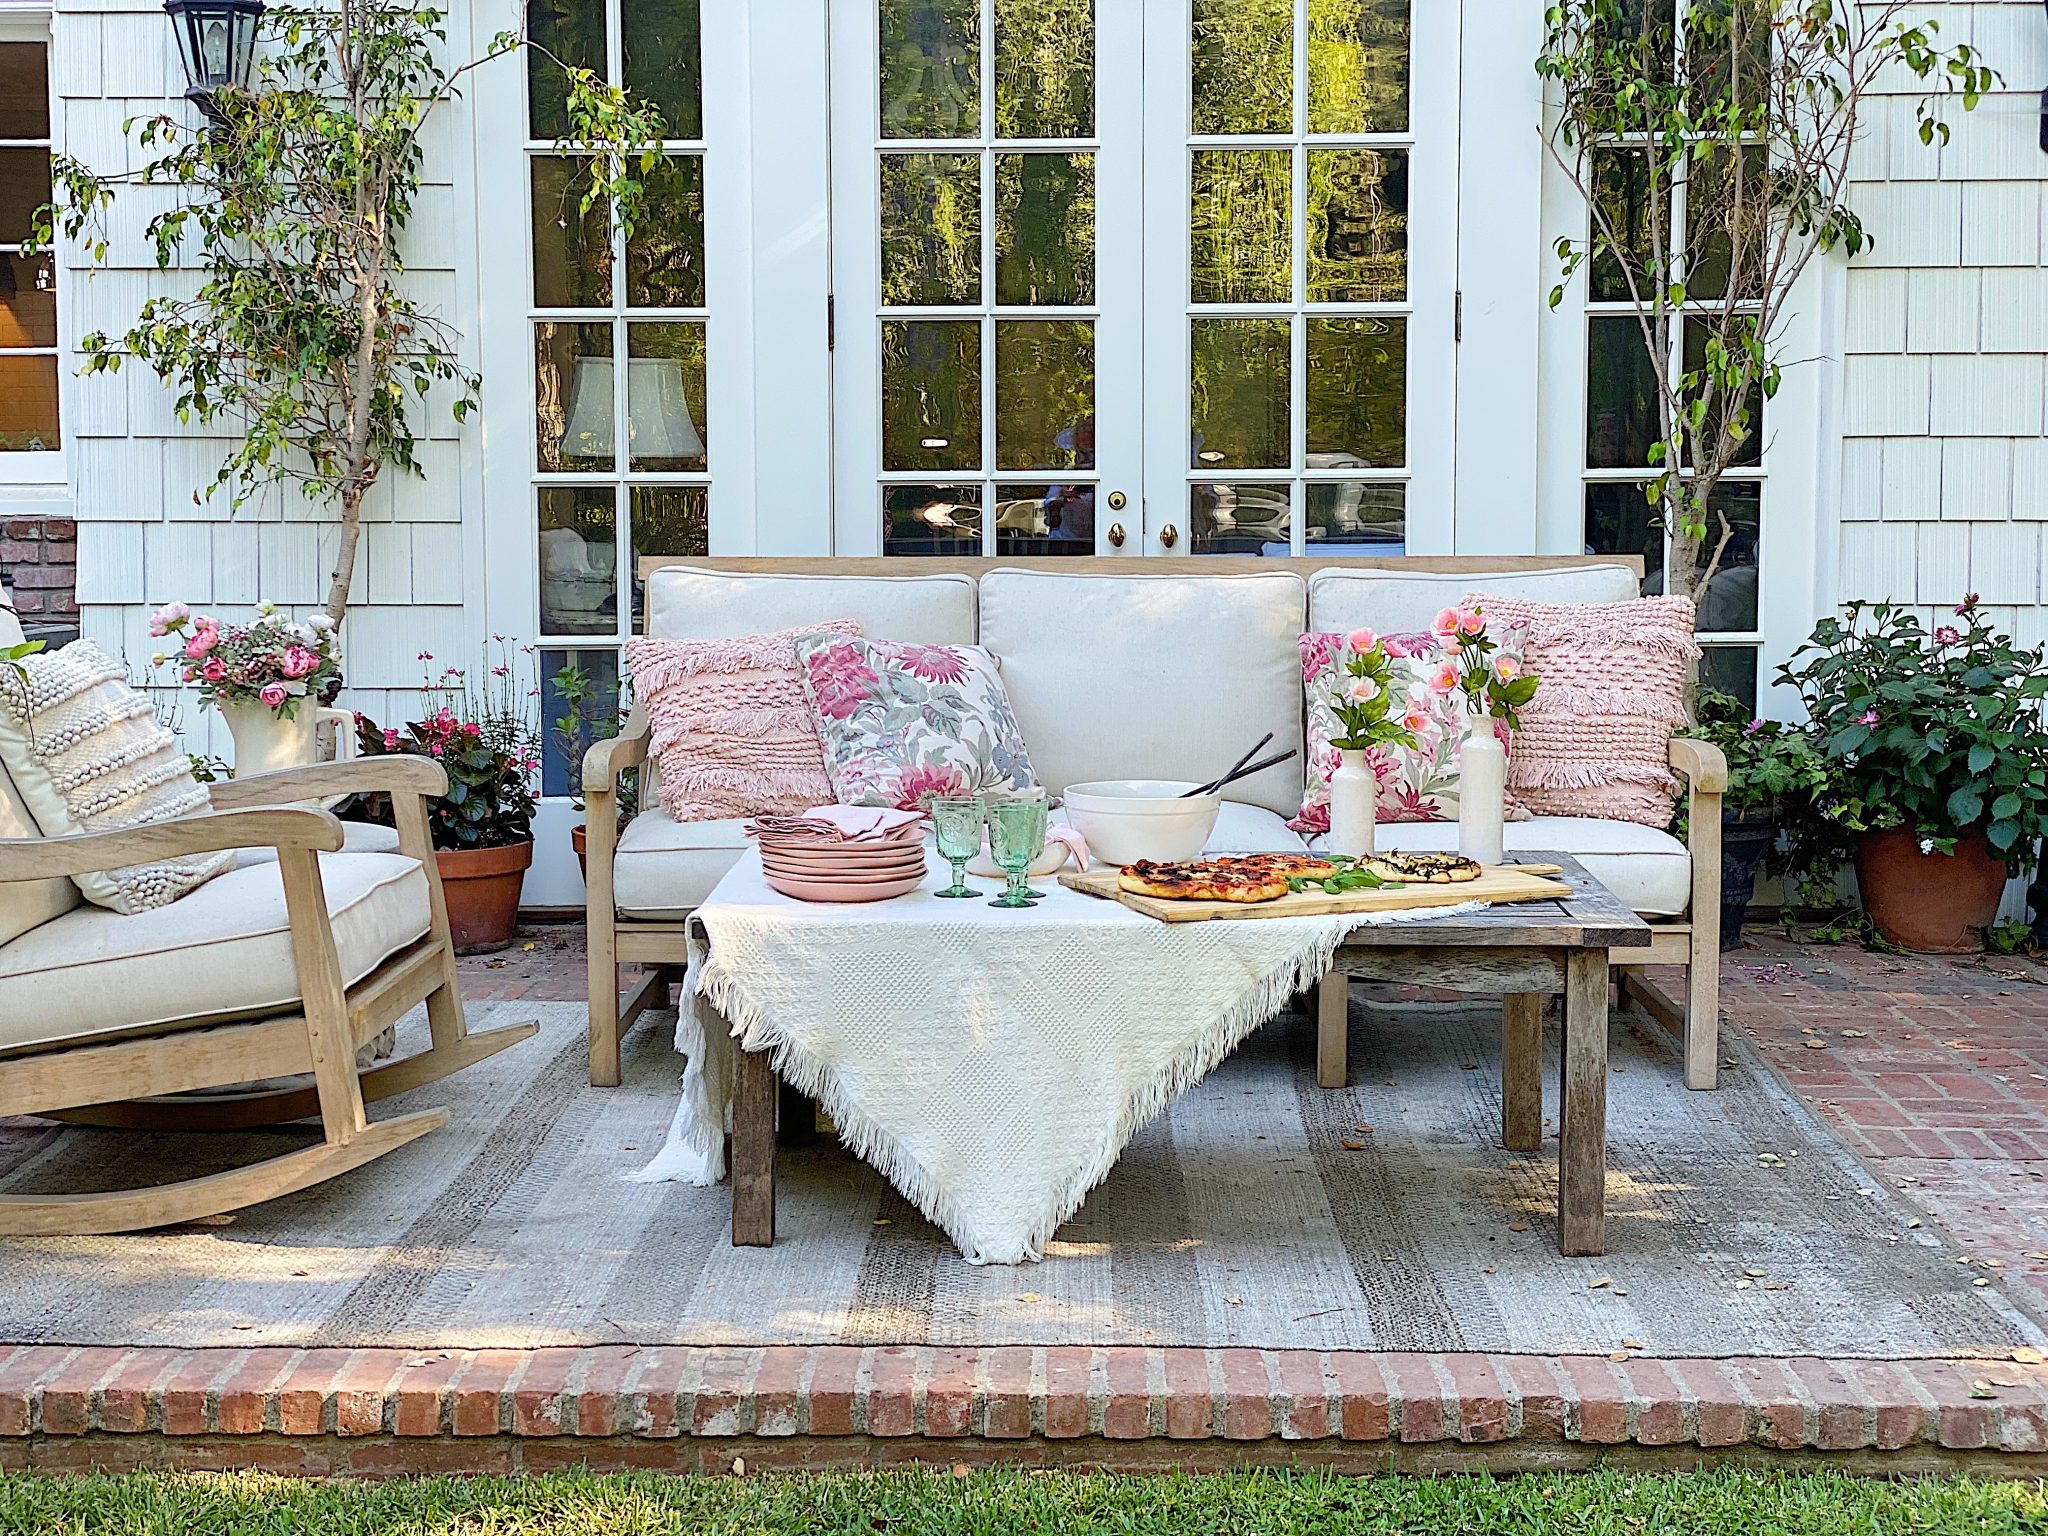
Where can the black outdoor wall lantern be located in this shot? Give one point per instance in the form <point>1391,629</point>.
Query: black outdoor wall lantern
<point>217,45</point>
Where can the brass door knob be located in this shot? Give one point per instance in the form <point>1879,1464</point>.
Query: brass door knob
<point>1118,501</point>
<point>1116,535</point>
<point>1169,536</point>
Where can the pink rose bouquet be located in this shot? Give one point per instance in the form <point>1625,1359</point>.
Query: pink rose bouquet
<point>1370,711</point>
<point>277,661</point>
<point>1494,683</point>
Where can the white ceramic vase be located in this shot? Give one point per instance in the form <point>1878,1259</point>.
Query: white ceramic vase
<point>1354,806</point>
<point>266,741</point>
<point>1482,795</point>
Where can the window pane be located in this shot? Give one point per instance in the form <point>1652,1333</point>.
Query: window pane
<point>1724,213</point>
<point>931,229</point>
<point>573,395</point>
<point>573,31</point>
<point>24,91</point>
<point>1238,401</point>
<point>24,187</point>
<point>28,301</point>
<point>1728,602</point>
<point>1045,229</point>
<point>1045,69</point>
<point>1045,394</point>
<point>1255,518</point>
<point>931,394</point>
<point>1357,226</point>
<point>664,61</point>
<point>1238,223</point>
<point>1730,669</point>
<point>1751,450</point>
<point>665,257</point>
<point>566,736</point>
<point>28,404</point>
<point>665,395</point>
<point>667,521</point>
<point>1358,66</point>
<point>931,69</point>
<point>1244,66</point>
<point>1045,519</point>
<point>1621,394</point>
<point>1622,190</point>
<point>1367,517</point>
<point>1620,522</point>
<point>1358,391</point>
<point>931,520</point>
<point>572,250</point>
<point>579,558</point>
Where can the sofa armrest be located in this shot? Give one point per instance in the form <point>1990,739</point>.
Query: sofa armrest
<point>279,827</point>
<point>395,774</point>
<point>607,759</point>
<point>1701,763</point>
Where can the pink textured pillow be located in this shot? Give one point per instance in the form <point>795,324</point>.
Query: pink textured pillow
<point>732,732</point>
<point>1596,739</point>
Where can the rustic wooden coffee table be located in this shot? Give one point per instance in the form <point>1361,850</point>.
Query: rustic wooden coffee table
<point>1520,953</point>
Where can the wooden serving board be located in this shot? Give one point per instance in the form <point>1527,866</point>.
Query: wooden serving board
<point>1497,883</point>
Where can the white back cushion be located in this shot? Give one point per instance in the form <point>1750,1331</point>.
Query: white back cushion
<point>691,603</point>
<point>1400,602</point>
<point>1151,677</point>
<point>24,904</point>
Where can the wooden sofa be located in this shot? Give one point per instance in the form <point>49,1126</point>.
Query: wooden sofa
<point>641,887</point>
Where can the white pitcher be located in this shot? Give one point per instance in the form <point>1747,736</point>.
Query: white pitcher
<point>266,741</point>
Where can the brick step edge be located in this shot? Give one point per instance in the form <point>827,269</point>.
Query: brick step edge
<point>1018,1393</point>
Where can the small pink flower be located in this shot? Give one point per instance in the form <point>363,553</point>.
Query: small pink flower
<point>1362,690</point>
<point>1445,679</point>
<point>1445,623</point>
<point>426,655</point>
<point>919,780</point>
<point>1472,623</point>
<point>274,695</point>
<point>299,662</point>
<point>1753,727</point>
<point>933,663</point>
<point>213,671</point>
<point>167,618</point>
<point>1506,668</point>
<point>1967,603</point>
<point>1868,717</point>
<point>202,641</point>
<point>1362,642</point>
<point>1947,635</point>
<point>1416,720</point>
<point>390,740</point>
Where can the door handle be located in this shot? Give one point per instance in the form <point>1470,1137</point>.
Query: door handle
<point>1118,501</point>
<point>1116,535</point>
<point>1169,536</point>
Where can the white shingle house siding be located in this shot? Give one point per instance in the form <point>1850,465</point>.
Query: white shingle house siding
<point>1944,481</point>
<point>143,540</point>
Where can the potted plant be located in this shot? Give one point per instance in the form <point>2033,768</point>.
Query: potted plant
<point>265,678</point>
<point>1940,763</point>
<point>588,715</point>
<point>1774,770</point>
<point>483,826</point>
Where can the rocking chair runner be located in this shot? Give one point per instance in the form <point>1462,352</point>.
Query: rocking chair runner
<point>133,1076</point>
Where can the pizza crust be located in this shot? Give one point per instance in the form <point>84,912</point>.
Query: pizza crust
<point>1202,880</point>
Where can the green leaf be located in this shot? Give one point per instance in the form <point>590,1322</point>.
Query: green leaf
<point>1981,757</point>
<point>1965,806</point>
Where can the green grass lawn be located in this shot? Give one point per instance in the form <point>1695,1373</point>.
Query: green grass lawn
<point>1002,1503</point>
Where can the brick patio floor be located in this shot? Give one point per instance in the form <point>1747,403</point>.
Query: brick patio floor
<point>1935,1071</point>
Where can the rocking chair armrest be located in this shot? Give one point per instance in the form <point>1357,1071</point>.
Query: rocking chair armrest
<point>396,773</point>
<point>1703,765</point>
<point>607,759</point>
<point>280,827</point>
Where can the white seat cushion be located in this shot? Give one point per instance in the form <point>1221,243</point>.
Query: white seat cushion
<point>664,867</point>
<point>691,603</point>
<point>1647,869</point>
<point>356,837</point>
<point>1151,677</point>
<point>223,951</point>
<point>1402,602</point>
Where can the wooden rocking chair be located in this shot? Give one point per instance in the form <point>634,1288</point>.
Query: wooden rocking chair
<point>136,1017</point>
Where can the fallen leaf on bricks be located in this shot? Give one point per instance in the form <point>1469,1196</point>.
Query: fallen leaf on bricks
<point>1601,1284</point>
<point>1982,1388</point>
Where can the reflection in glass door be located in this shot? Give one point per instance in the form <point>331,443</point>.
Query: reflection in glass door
<point>987,287</point>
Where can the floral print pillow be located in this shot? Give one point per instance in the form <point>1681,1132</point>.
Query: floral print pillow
<point>1418,784</point>
<point>900,723</point>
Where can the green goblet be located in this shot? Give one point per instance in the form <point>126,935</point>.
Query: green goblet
<point>957,819</point>
<point>1016,837</point>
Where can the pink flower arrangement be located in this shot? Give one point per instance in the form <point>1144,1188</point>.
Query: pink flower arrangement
<point>276,661</point>
<point>1492,681</point>
<point>1365,702</point>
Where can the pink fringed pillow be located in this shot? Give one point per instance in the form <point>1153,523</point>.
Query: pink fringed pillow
<point>1596,739</point>
<point>731,731</point>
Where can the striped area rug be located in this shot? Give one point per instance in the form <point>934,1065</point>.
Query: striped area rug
<point>1260,1210</point>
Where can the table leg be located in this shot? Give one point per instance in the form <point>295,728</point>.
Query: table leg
<point>1521,1072</point>
<point>1582,1128</point>
<point>1333,1030</point>
<point>755,1089</point>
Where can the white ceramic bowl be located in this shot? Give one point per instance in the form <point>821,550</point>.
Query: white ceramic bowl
<point>1126,820</point>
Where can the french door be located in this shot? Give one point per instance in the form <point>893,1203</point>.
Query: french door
<point>1143,276</point>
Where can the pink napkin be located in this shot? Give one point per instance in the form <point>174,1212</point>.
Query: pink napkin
<point>844,824</point>
<point>1071,839</point>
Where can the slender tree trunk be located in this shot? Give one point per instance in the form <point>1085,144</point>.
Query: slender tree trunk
<point>345,557</point>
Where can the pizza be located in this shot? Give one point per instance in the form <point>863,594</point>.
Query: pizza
<point>1288,866</point>
<point>1202,880</point>
<point>1422,868</point>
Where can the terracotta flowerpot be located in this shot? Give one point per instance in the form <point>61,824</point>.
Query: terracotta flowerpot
<point>481,886</point>
<point>579,839</point>
<point>1931,903</point>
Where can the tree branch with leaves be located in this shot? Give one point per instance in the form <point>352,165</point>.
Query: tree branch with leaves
<point>302,338</point>
<point>1712,143</point>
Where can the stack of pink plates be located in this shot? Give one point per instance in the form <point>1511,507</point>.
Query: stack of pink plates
<point>812,869</point>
